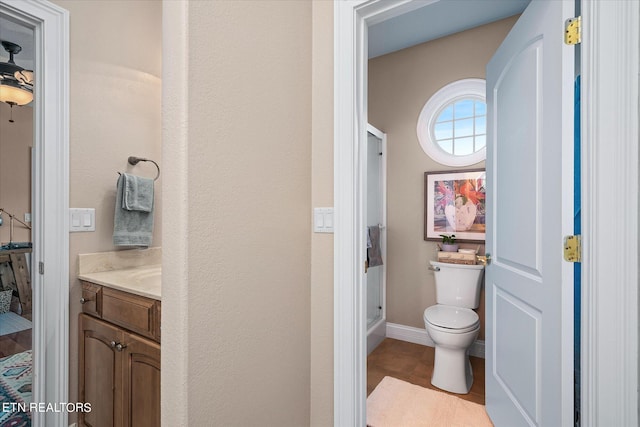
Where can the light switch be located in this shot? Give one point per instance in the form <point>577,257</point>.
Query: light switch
<point>328,220</point>
<point>323,220</point>
<point>82,219</point>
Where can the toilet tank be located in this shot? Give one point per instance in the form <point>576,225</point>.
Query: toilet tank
<point>458,284</point>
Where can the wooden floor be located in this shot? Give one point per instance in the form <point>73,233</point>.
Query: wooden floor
<point>17,342</point>
<point>414,363</point>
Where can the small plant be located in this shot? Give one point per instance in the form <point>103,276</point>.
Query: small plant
<point>448,239</point>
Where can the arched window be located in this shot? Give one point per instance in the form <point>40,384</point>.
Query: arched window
<point>452,126</point>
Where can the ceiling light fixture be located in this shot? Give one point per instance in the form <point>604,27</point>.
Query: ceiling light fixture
<point>16,83</point>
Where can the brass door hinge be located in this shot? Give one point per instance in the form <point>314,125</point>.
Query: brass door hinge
<point>573,249</point>
<point>573,30</point>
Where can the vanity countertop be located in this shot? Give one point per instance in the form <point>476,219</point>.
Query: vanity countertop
<point>143,280</point>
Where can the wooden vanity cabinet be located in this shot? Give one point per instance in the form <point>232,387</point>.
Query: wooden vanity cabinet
<point>119,367</point>
<point>100,384</point>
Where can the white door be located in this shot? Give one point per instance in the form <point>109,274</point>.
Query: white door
<point>529,355</point>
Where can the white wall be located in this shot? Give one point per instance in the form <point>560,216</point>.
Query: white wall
<point>16,140</point>
<point>243,216</point>
<point>322,195</point>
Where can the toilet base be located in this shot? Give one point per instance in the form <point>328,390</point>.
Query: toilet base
<point>452,370</point>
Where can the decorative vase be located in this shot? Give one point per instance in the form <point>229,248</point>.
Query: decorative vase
<point>449,248</point>
<point>461,217</point>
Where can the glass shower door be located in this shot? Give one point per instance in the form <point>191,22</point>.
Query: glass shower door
<point>375,219</point>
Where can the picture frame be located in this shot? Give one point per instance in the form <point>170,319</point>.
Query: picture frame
<point>455,203</point>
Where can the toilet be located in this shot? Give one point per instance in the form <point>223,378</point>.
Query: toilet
<point>453,325</point>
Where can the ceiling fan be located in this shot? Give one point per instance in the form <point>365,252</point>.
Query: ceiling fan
<point>16,83</point>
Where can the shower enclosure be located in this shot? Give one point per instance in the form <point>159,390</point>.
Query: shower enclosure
<point>376,217</point>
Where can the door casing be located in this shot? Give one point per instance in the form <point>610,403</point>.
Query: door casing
<point>609,154</point>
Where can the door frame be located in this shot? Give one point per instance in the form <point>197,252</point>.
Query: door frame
<point>50,197</point>
<point>609,150</point>
<point>610,56</point>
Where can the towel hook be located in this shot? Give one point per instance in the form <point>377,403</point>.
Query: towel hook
<point>135,160</point>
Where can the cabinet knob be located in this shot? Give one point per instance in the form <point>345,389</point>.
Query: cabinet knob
<point>120,346</point>
<point>83,300</point>
<point>112,344</point>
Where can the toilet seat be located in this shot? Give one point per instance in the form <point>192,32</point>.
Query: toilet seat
<point>451,319</point>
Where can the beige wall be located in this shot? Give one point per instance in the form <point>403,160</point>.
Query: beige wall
<point>247,216</point>
<point>115,61</point>
<point>399,85</point>
<point>16,140</point>
<point>322,195</point>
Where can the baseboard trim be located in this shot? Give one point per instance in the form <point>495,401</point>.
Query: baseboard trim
<point>420,336</point>
<point>376,335</point>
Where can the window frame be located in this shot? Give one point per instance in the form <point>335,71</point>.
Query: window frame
<point>474,89</point>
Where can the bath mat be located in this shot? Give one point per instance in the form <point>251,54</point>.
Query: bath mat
<point>396,403</point>
<point>15,387</point>
<point>11,322</point>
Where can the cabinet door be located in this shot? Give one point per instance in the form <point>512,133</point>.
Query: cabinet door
<point>100,372</point>
<point>141,382</point>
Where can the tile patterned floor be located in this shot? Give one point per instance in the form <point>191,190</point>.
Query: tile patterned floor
<point>414,363</point>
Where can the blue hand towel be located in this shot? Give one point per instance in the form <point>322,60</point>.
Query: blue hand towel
<point>137,193</point>
<point>133,227</point>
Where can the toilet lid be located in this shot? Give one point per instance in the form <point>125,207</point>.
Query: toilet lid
<point>447,316</point>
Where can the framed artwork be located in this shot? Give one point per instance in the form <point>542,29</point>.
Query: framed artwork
<point>455,204</point>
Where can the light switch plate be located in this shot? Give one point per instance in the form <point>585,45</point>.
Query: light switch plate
<point>323,220</point>
<point>82,219</point>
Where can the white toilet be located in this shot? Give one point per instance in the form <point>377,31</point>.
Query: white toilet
<point>453,325</point>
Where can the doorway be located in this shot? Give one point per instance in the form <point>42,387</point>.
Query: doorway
<point>16,141</point>
<point>49,271</point>
<point>399,84</point>
<point>351,22</point>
